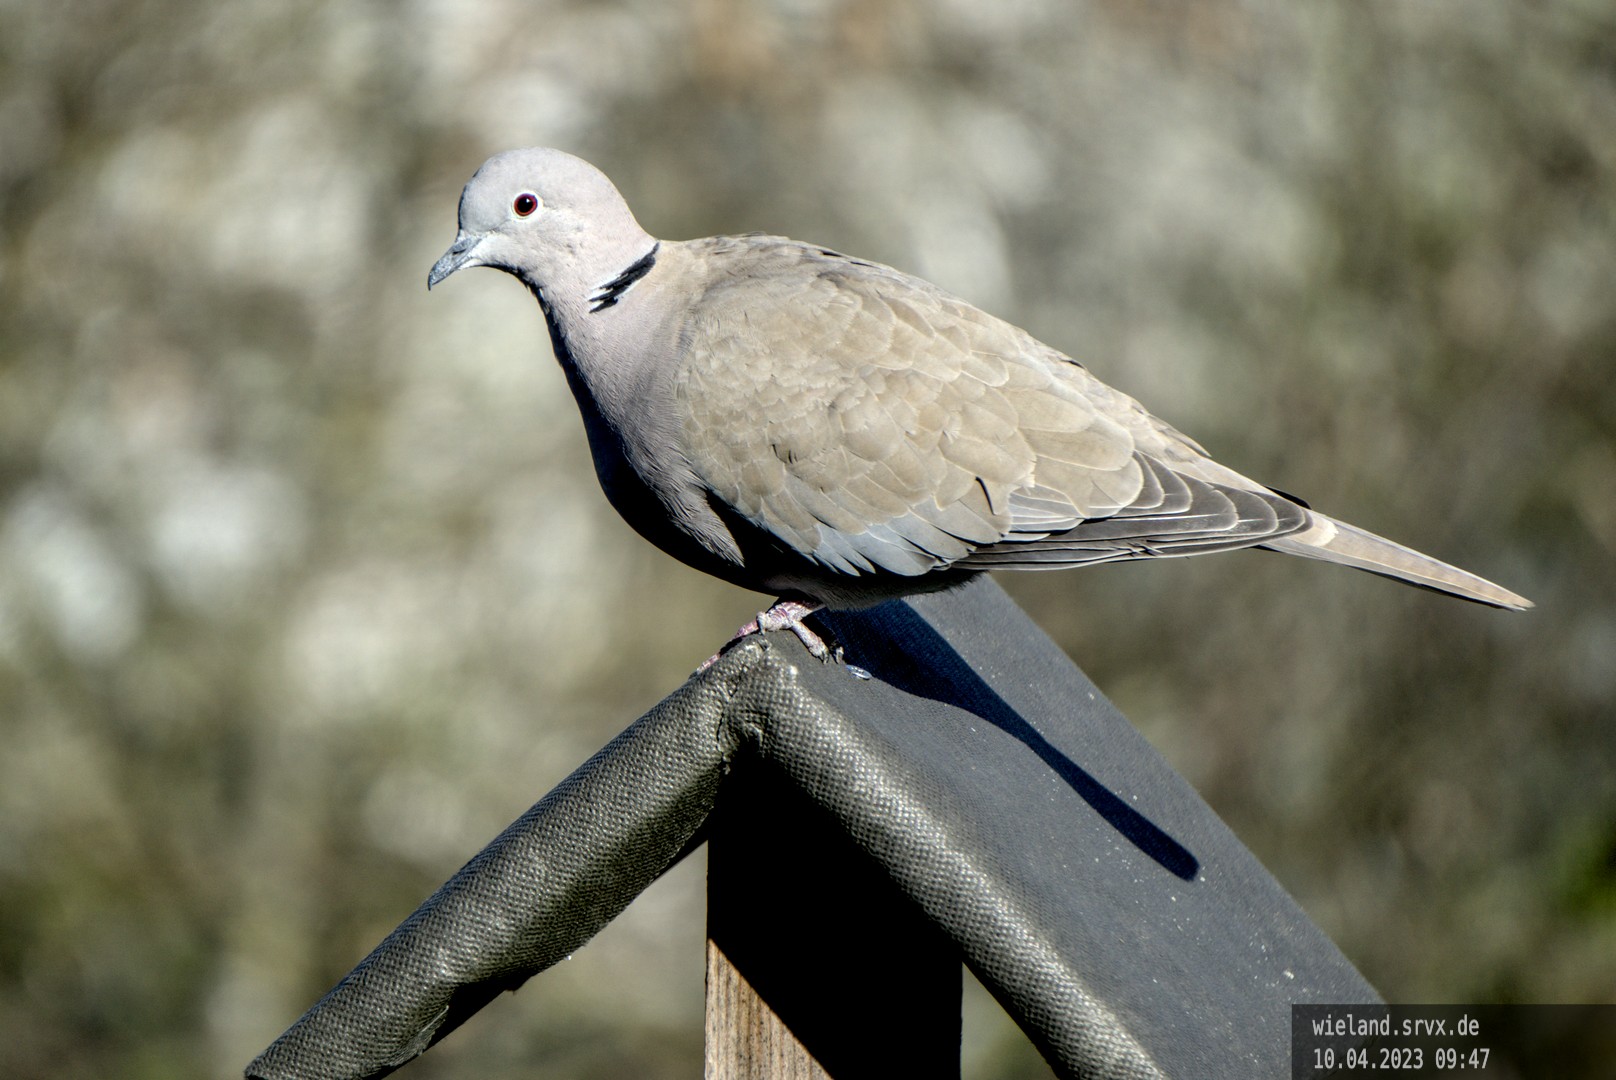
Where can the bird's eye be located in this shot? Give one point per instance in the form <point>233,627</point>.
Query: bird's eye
<point>525,204</point>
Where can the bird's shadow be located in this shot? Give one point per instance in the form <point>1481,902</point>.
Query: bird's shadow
<point>894,644</point>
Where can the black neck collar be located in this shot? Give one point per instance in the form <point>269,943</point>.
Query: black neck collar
<point>611,292</point>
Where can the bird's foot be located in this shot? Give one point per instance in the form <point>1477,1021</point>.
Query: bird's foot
<point>789,615</point>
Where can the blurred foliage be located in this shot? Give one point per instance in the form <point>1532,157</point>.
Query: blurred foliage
<point>306,588</point>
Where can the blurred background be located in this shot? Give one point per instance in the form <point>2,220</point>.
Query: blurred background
<point>306,587</point>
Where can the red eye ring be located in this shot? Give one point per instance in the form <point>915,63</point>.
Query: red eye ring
<point>525,204</point>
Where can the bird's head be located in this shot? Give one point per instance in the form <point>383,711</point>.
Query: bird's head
<point>551,219</point>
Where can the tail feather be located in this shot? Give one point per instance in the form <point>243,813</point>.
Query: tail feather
<point>1337,542</point>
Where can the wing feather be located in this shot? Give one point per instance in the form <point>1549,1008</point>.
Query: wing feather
<point>874,424</point>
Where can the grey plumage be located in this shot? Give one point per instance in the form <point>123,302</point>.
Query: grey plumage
<point>800,422</point>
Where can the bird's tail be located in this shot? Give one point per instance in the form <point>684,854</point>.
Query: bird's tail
<point>1337,542</point>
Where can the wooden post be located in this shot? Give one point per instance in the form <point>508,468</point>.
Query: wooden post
<point>818,968</point>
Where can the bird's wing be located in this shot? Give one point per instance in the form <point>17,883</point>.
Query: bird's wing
<point>874,423</point>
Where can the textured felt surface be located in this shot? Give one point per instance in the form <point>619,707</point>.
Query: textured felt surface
<point>1086,884</point>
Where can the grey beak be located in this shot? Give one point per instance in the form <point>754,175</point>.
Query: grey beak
<point>461,253</point>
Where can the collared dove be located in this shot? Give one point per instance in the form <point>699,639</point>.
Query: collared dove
<point>837,433</point>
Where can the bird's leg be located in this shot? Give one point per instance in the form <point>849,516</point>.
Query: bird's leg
<point>788,615</point>
<point>783,615</point>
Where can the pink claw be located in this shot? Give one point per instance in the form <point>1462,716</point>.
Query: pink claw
<point>784,615</point>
